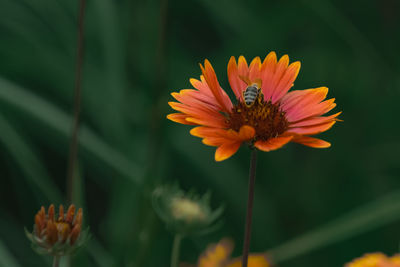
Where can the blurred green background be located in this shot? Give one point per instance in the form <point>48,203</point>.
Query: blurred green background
<point>345,199</point>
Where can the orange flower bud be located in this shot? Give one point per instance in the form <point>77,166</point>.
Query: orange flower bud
<point>57,236</point>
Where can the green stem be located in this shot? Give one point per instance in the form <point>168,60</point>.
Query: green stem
<point>247,231</point>
<point>73,150</point>
<point>175,250</point>
<point>56,261</point>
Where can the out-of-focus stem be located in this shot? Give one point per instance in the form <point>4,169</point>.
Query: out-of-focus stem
<point>247,230</point>
<point>176,247</point>
<point>56,261</point>
<point>155,130</point>
<point>73,149</point>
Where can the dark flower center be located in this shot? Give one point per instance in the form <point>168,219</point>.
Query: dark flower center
<point>266,118</point>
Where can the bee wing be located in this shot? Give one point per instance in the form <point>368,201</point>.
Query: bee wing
<point>245,79</point>
<point>258,82</point>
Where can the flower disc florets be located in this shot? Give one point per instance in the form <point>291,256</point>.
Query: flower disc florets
<point>187,210</point>
<point>57,234</point>
<point>267,119</point>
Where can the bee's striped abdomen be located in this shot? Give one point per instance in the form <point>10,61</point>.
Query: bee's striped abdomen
<point>250,95</point>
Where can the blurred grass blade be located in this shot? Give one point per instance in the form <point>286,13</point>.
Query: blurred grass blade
<point>28,162</point>
<point>6,258</point>
<point>93,246</point>
<point>99,254</point>
<point>369,217</point>
<point>61,122</point>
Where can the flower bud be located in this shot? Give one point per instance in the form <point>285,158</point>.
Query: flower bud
<point>185,213</point>
<point>57,234</point>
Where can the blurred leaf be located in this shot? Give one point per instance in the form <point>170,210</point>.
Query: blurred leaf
<point>347,31</point>
<point>6,258</point>
<point>99,254</point>
<point>376,214</point>
<point>14,239</point>
<point>28,161</point>
<point>59,121</point>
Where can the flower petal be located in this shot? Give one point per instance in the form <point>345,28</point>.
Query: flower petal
<point>301,98</point>
<point>315,120</point>
<point>246,132</point>
<point>212,81</point>
<point>300,105</point>
<point>267,72</point>
<point>286,81</point>
<point>277,77</point>
<point>216,141</point>
<point>202,86</point>
<point>311,110</point>
<point>279,72</point>
<point>311,130</point>
<point>235,82</point>
<point>272,143</point>
<point>254,260</point>
<point>311,142</point>
<point>216,254</point>
<point>198,112</point>
<point>196,99</point>
<point>225,151</point>
<point>179,118</point>
<point>255,69</point>
<point>207,132</point>
<point>242,67</point>
<point>208,121</point>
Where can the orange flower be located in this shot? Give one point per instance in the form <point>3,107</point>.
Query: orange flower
<point>218,255</point>
<point>375,260</point>
<point>265,115</point>
<point>57,234</point>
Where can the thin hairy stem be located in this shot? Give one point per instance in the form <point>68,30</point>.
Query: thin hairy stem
<point>73,149</point>
<point>247,230</point>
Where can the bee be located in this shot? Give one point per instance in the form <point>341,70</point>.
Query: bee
<point>252,91</point>
<point>250,94</point>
